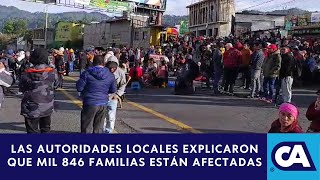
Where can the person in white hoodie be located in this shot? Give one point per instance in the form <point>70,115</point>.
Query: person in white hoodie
<point>5,80</point>
<point>107,56</point>
<point>120,77</point>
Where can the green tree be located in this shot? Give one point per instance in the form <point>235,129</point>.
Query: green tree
<point>20,27</point>
<point>8,27</point>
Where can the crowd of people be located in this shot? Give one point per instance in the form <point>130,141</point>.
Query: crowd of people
<point>268,67</point>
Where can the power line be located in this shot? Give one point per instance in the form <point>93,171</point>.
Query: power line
<point>257,5</point>
<point>274,6</point>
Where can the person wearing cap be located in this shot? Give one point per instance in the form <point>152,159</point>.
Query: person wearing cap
<point>95,85</point>
<point>271,70</point>
<point>11,61</point>
<point>71,60</point>
<point>313,115</point>
<point>287,121</point>
<point>114,97</point>
<point>37,85</point>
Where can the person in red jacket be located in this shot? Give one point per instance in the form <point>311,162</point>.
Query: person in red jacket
<point>136,73</point>
<point>287,121</point>
<point>232,60</point>
<point>313,115</point>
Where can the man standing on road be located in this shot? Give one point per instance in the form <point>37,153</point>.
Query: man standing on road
<point>37,85</point>
<point>271,70</point>
<point>217,67</point>
<point>95,85</point>
<point>120,77</point>
<point>286,74</point>
<point>232,59</point>
<point>256,63</point>
<point>245,66</point>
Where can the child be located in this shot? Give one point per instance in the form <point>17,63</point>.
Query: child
<point>288,120</point>
<point>162,74</point>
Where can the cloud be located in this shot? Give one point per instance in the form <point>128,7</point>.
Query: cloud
<point>177,7</point>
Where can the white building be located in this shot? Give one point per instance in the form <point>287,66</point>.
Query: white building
<point>247,23</point>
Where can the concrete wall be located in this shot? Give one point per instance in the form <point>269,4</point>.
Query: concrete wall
<point>96,35</point>
<point>121,33</point>
<point>141,37</point>
<point>259,22</point>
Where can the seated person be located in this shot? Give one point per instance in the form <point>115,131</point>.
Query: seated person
<point>188,71</point>
<point>162,75</point>
<point>287,121</point>
<point>136,73</point>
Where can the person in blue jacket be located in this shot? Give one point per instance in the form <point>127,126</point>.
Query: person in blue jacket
<point>95,85</point>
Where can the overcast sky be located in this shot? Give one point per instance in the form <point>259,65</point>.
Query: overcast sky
<point>177,7</point>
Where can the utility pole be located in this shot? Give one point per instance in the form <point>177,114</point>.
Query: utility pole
<point>46,28</point>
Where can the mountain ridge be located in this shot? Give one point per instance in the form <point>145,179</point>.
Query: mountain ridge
<point>37,19</point>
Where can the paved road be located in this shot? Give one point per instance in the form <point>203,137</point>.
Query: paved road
<point>159,111</point>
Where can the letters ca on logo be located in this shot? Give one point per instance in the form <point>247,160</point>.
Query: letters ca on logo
<point>292,156</point>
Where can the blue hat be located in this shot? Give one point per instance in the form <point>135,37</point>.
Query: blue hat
<point>10,52</point>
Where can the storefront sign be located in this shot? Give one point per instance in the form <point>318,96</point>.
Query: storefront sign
<point>315,17</point>
<point>111,5</point>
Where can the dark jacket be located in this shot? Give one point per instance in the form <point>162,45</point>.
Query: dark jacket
<point>313,116</point>
<point>257,60</point>
<point>287,65</point>
<point>188,71</point>
<point>95,84</point>
<point>276,126</point>
<point>59,63</point>
<point>38,84</point>
<point>83,61</point>
<point>217,60</point>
